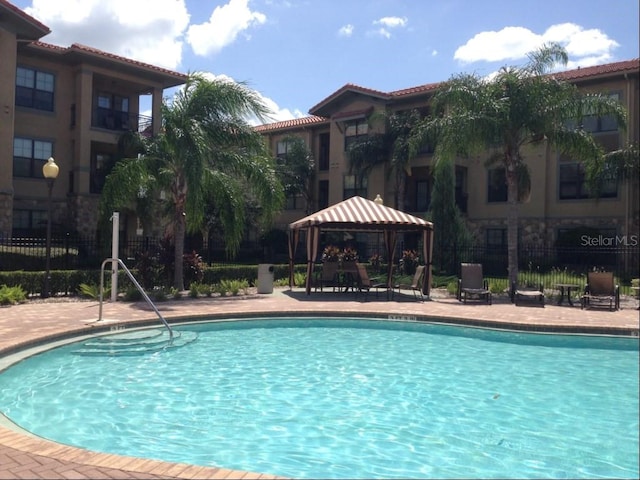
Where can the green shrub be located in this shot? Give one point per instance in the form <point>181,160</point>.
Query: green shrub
<point>91,290</point>
<point>132,294</point>
<point>12,295</point>
<point>233,287</point>
<point>452,287</point>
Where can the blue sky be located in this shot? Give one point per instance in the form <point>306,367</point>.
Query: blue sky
<point>295,53</point>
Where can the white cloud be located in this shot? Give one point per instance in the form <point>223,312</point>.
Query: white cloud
<point>277,114</point>
<point>224,26</point>
<point>388,23</point>
<point>346,30</point>
<point>146,30</point>
<point>392,22</point>
<point>579,42</point>
<point>512,43</point>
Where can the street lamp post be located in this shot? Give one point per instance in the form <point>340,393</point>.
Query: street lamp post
<point>50,171</point>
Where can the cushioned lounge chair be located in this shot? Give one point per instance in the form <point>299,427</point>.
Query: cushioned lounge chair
<point>472,285</point>
<point>416,284</point>
<point>521,295</point>
<point>601,289</point>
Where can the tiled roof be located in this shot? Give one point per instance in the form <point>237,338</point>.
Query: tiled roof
<point>569,75</point>
<point>429,87</point>
<point>597,70</point>
<point>349,87</point>
<point>83,49</point>
<point>294,123</point>
<point>41,27</point>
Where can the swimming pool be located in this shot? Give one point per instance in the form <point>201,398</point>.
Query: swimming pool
<point>347,398</point>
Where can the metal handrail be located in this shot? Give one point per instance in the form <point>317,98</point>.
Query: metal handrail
<point>138,286</point>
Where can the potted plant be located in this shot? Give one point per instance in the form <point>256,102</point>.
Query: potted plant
<point>331,253</point>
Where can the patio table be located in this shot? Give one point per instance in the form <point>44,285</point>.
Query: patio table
<point>566,287</point>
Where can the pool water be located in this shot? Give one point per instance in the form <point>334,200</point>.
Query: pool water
<point>347,398</point>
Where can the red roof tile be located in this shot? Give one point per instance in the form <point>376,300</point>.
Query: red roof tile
<point>44,30</point>
<point>83,49</point>
<point>294,123</point>
<point>632,65</point>
<point>597,70</point>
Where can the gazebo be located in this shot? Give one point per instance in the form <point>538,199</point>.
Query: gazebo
<point>360,214</point>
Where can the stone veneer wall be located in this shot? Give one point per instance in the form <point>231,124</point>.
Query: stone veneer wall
<point>6,213</point>
<point>540,232</point>
<point>83,214</point>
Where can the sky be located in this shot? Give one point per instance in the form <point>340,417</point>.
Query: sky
<point>296,53</point>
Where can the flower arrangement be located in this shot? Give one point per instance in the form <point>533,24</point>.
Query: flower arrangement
<point>349,255</point>
<point>376,260</point>
<point>409,261</point>
<point>331,253</point>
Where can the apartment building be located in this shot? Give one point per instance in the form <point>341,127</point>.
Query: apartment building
<point>559,199</point>
<point>72,104</point>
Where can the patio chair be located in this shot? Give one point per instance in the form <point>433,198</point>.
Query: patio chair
<point>416,284</point>
<point>520,295</point>
<point>364,284</point>
<point>328,276</point>
<point>601,289</point>
<point>471,284</point>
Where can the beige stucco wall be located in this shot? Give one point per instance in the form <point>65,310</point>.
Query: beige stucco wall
<point>7,107</point>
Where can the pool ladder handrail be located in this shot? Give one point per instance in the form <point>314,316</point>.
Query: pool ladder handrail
<point>138,286</point>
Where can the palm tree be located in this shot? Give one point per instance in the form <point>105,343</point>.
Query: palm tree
<point>295,169</point>
<point>500,116</point>
<point>391,148</point>
<point>206,151</point>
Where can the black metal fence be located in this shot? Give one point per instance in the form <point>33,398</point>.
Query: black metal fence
<point>562,263</point>
<point>72,252</point>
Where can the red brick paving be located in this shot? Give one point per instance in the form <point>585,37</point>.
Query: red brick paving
<point>29,457</point>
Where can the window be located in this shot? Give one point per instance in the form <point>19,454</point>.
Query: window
<point>29,221</point>
<point>461,188</point>
<point>29,157</point>
<point>496,239</point>
<point>293,202</point>
<point>101,166</point>
<point>282,148</point>
<point>354,185</point>
<point>323,153</point>
<point>606,123</point>
<point>572,183</point>
<point>112,112</point>
<point>34,89</point>
<point>354,131</point>
<point>423,196</point>
<point>323,194</point>
<point>497,185</point>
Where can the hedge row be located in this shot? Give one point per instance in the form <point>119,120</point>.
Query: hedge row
<point>67,282</point>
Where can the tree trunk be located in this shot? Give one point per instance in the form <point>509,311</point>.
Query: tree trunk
<point>512,223</point>
<point>179,232</point>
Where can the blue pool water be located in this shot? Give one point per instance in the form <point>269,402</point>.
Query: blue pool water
<point>338,398</point>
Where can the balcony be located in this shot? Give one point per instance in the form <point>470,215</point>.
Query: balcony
<point>118,121</point>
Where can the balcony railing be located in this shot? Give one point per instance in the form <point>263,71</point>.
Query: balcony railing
<point>115,120</point>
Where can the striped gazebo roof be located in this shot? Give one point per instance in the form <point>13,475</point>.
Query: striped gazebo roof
<point>358,213</point>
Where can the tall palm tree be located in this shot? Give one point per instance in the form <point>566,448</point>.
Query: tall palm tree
<point>391,148</point>
<point>206,151</point>
<point>296,168</point>
<point>500,116</point>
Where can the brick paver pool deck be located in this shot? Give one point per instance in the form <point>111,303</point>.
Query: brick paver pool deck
<point>25,456</point>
